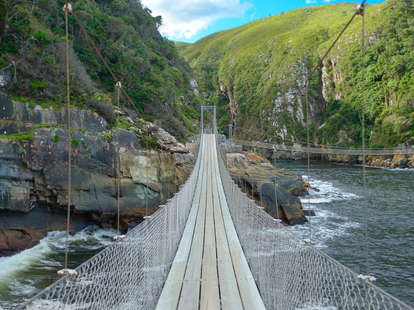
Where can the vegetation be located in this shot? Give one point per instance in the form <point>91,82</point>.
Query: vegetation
<point>155,77</point>
<point>149,142</point>
<point>255,73</point>
<point>20,137</point>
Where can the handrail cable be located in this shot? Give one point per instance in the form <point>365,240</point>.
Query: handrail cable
<point>327,52</point>
<point>99,54</point>
<point>363,93</point>
<point>118,87</point>
<point>67,9</point>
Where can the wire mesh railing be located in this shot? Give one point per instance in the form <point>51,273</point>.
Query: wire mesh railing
<point>130,273</point>
<point>289,272</point>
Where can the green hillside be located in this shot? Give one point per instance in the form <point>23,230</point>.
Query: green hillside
<point>181,46</point>
<point>155,77</point>
<point>255,74</point>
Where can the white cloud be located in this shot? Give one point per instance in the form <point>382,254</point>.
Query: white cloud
<point>186,18</point>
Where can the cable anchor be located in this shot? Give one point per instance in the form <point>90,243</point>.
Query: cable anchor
<point>309,242</point>
<point>360,9</point>
<point>366,278</point>
<point>67,8</point>
<point>71,273</point>
<point>118,238</point>
<point>118,85</point>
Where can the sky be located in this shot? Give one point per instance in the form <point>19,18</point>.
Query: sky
<point>191,20</point>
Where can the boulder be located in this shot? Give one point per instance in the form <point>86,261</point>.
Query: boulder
<point>259,180</point>
<point>399,161</point>
<point>19,231</point>
<point>288,208</point>
<point>411,162</point>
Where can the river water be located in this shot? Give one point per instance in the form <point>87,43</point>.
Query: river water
<point>26,273</point>
<point>343,207</point>
<point>338,229</point>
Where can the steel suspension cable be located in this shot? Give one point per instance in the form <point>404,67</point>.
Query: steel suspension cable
<point>67,10</point>
<point>99,54</point>
<point>364,178</point>
<point>314,68</point>
<point>308,152</point>
<point>118,87</point>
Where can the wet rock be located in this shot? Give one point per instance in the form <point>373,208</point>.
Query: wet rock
<point>19,231</point>
<point>399,161</point>
<point>343,158</point>
<point>259,179</point>
<point>288,208</point>
<point>411,162</point>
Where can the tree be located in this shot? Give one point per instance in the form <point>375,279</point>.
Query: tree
<point>158,21</point>
<point>7,13</point>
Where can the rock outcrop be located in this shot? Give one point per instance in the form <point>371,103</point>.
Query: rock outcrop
<point>268,185</point>
<point>33,169</point>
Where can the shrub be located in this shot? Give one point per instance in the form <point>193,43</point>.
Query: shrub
<point>104,109</point>
<point>42,37</point>
<point>149,142</point>
<point>38,84</point>
<point>75,142</point>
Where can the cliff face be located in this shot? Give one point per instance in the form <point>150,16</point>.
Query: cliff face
<point>255,74</point>
<point>33,143</point>
<point>33,170</point>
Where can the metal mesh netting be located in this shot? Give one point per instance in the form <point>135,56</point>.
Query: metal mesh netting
<point>130,273</point>
<point>290,274</point>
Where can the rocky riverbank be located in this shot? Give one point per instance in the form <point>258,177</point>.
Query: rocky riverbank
<point>261,181</point>
<point>33,171</point>
<point>383,161</point>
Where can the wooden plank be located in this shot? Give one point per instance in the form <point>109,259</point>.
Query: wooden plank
<point>171,291</point>
<point>210,296</point>
<point>229,291</point>
<point>190,292</point>
<point>247,286</point>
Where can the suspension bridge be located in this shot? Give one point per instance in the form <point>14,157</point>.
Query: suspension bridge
<point>208,247</point>
<point>211,247</point>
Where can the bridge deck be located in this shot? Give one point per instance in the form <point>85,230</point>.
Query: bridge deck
<point>210,270</point>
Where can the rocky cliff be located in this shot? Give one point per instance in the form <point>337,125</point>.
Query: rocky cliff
<point>33,170</point>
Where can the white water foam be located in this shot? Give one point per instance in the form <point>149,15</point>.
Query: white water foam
<point>91,239</point>
<point>326,224</point>
<point>316,307</point>
<point>327,193</point>
<point>11,265</point>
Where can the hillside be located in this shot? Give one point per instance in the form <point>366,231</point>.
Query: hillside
<point>255,73</point>
<point>154,76</point>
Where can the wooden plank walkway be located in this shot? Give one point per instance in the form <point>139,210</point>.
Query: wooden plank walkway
<point>210,270</point>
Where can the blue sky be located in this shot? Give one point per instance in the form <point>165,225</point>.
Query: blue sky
<point>191,20</point>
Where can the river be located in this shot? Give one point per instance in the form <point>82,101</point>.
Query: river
<point>343,207</point>
<point>337,228</point>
